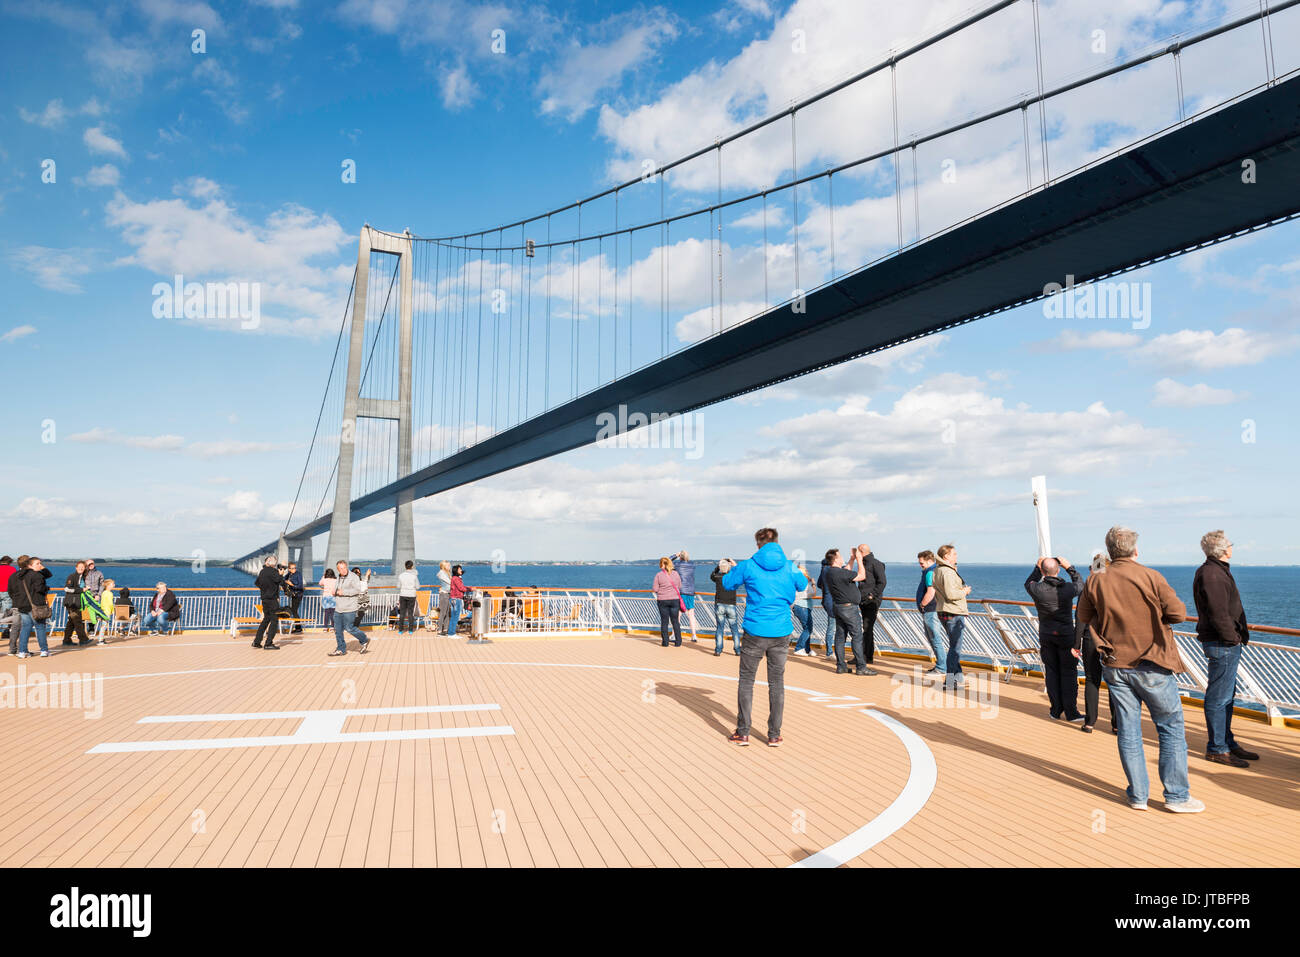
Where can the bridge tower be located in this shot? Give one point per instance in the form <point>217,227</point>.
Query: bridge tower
<point>356,406</point>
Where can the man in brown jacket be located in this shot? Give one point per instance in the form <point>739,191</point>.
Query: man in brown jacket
<point>1130,609</point>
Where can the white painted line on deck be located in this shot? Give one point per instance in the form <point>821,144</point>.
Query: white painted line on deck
<point>316,727</point>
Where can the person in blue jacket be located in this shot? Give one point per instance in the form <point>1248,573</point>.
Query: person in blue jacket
<point>771,582</point>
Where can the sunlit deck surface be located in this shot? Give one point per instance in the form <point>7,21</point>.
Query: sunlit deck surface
<point>618,757</point>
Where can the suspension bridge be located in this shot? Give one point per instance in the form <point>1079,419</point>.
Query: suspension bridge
<point>815,235</point>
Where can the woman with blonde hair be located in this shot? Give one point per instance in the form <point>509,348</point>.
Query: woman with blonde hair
<point>668,595</point>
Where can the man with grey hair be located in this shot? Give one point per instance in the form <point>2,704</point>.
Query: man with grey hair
<point>1221,627</point>
<point>1130,609</point>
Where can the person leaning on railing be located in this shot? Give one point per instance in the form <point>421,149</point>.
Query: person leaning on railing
<point>1131,608</point>
<point>1223,632</point>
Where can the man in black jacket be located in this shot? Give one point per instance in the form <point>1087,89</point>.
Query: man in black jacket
<point>72,605</point>
<point>873,590</point>
<point>1221,627</point>
<point>1054,601</point>
<point>269,582</point>
<point>296,589</point>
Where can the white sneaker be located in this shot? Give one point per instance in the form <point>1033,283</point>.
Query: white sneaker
<point>45,654</point>
<point>1138,806</point>
<point>805,653</point>
<point>1190,806</point>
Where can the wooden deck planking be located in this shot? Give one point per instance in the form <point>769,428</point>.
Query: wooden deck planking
<point>593,776</point>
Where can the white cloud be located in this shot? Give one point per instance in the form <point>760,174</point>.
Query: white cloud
<point>103,436</point>
<point>1205,349</point>
<point>586,71</point>
<point>97,141</point>
<point>1072,341</point>
<point>54,269</point>
<point>106,175</point>
<point>53,115</point>
<point>16,333</point>
<point>212,242</point>
<point>458,89</point>
<point>1169,392</point>
<point>43,508</point>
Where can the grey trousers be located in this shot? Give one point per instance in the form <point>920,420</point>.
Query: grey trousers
<point>753,650</point>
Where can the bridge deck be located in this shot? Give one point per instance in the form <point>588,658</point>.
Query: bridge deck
<point>616,756</point>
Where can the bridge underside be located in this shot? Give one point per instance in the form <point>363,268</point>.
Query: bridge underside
<point>1178,191</point>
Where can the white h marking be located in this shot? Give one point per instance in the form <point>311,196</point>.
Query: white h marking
<point>316,727</point>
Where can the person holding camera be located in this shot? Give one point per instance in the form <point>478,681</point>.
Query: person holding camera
<point>1054,602</point>
<point>842,582</point>
<point>724,607</point>
<point>269,583</point>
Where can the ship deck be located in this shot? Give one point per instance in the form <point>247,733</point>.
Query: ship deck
<point>599,752</point>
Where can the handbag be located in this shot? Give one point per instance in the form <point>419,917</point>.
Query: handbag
<point>39,612</point>
<point>680,601</point>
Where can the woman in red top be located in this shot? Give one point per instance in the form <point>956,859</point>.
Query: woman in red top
<point>457,592</point>
<point>668,595</point>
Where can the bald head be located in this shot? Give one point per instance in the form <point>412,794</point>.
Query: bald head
<point>1050,567</point>
<point>864,549</point>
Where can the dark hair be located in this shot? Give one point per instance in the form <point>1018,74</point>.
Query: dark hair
<point>329,573</point>
<point>410,564</point>
<point>458,569</point>
<point>24,561</point>
<point>6,560</point>
<point>764,535</point>
<point>926,556</point>
<point>830,555</point>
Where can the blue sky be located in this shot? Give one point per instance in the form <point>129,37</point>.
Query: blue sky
<point>171,435</point>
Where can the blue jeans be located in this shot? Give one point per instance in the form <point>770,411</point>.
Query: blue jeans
<point>25,630</point>
<point>934,635</point>
<point>727,617</point>
<point>152,619</point>
<point>453,615</point>
<point>344,621</point>
<point>1155,687</point>
<point>954,625</point>
<point>1220,689</point>
<point>830,627</point>
<point>804,614</point>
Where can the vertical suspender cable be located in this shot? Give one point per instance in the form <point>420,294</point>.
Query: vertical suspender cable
<point>1042,107</point>
<point>794,191</point>
<point>898,179</point>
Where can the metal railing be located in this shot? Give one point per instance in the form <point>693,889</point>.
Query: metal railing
<point>999,634</point>
<point>534,614</point>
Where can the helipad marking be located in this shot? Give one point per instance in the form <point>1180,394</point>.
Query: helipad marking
<point>916,792</point>
<point>316,727</point>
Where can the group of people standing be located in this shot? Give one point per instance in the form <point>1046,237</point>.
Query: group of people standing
<point>89,600</point>
<point>345,601</point>
<point>1122,634</point>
